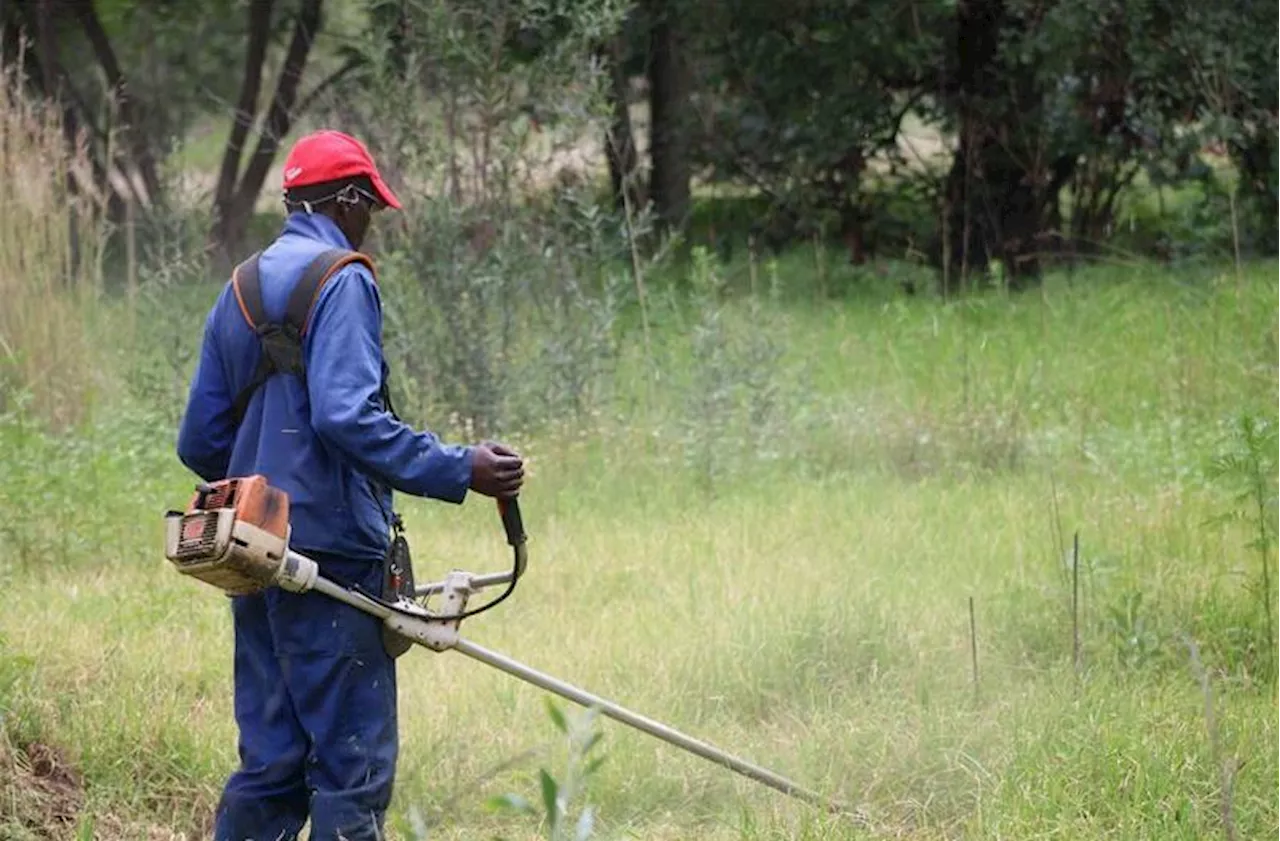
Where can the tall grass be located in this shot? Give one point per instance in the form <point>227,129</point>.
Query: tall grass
<point>51,244</point>
<point>810,613</point>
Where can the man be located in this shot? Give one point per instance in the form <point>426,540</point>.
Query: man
<point>315,689</point>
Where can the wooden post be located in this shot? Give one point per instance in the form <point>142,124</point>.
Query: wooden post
<point>973,648</point>
<point>1075,602</point>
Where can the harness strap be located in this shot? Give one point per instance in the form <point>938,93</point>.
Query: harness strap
<point>247,286</point>
<point>282,342</point>
<point>305,294</point>
<point>248,289</point>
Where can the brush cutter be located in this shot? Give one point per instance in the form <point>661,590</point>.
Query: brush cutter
<point>235,536</point>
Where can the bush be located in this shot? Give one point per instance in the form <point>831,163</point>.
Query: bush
<point>503,279</point>
<point>516,331</point>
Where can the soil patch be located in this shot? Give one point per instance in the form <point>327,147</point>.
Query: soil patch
<point>44,793</point>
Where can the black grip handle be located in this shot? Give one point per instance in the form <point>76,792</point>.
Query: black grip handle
<point>509,510</point>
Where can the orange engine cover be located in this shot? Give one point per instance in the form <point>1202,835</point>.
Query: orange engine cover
<point>254,501</point>
<point>233,535</point>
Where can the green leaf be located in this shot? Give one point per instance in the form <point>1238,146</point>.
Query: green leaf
<point>557,716</point>
<point>594,765</point>
<point>510,803</point>
<point>550,802</point>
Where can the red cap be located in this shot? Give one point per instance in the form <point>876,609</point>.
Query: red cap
<point>329,155</point>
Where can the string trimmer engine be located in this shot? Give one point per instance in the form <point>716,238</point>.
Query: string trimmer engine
<point>235,536</point>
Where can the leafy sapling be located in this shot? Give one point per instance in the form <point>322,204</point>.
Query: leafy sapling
<point>558,797</point>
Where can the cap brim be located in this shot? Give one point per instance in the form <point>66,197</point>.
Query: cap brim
<point>385,195</point>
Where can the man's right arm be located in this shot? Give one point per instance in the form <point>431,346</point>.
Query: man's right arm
<point>344,378</point>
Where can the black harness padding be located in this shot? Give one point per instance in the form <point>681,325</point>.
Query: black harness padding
<point>282,342</point>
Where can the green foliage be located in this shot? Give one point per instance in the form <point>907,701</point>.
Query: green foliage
<point>734,394</point>
<point>818,599</point>
<point>14,670</point>
<point>796,99</point>
<point>558,797</point>
<point>504,278</point>
<point>1129,626</point>
<point>178,84</point>
<point>86,487</point>
<point>764,517</point>
<point>1247,468</point>
<point>1184,217</point>
<point>1127,87</point>
<point>799,104</point>
<point>517,332</point>
<point>453,107</point>
<point>1223,57</point>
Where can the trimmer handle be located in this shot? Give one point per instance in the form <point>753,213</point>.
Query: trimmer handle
<point>509,511</point>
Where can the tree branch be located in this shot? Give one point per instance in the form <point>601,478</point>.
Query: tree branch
<point>247,106</point>
<point>129,111</point>
<point>350,66</point>
<point>280,116</point>
<point>50,78</point>
<point>895,122</point>
<point>620,139</point>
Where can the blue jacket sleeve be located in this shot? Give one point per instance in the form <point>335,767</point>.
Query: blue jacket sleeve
<point>207,432</point>
<point>344,377</point>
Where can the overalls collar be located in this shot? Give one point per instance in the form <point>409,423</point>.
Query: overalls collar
<point>316,226</point>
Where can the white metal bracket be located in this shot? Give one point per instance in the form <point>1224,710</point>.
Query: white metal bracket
<point>436,634</point>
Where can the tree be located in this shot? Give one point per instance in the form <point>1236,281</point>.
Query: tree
<point>669,90</point>
<point>120,93</point>
<point>620,143</point>
<point>146,86</point>
<point>237,190</point>
<point>1044,97</point>
<point>46,25</point>
<point>797,99</point>
<point>1223,60</point>
<point>996,195</point>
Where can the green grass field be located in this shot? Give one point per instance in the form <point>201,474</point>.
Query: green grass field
<point>777,558</point>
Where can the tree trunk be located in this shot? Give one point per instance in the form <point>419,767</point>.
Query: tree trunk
<point>1255,157</point>
<point>995,209</point>
<point>620,146</point>
<point>227,232</point>
<point>130,114</point>
<point>234,202</point>
<point>49,78</point>
<point>280,116</point>
<point>853,211</point>
<point>669,83</point>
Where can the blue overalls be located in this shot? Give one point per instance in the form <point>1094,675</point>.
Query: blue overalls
<point>315,691</point>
